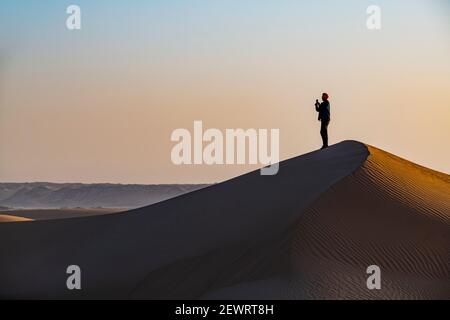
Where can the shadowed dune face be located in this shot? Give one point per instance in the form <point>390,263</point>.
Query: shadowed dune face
<point>390,213</point>
<point>188,247</point>
<point>309,232</point>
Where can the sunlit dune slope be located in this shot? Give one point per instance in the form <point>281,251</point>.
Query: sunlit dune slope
<point>390,213</point>
<point>11,218</point>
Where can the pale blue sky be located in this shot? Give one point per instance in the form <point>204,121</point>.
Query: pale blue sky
<point>145,68</point>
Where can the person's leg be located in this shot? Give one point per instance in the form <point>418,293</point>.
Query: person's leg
<point>324,133</point>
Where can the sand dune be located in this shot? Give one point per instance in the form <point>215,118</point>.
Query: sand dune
<point>52,214</point>
<point>11,218</point>
<point>391,213</point>
<point>308,232</point>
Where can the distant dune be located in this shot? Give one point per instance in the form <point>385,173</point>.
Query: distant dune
<point>309,232</point>
<point>43,195</point>
<point>51,214</point>
<point>11,218</point>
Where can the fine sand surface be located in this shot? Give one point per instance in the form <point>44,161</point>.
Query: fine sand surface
<point>309,232</point>
<point>52,214</point>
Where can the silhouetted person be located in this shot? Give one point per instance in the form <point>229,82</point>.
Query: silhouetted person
<point>324,117</point>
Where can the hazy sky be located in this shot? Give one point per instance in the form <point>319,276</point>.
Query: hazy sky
<point>99,104</point>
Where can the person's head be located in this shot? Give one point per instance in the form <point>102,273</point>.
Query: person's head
<point>325,96</point>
